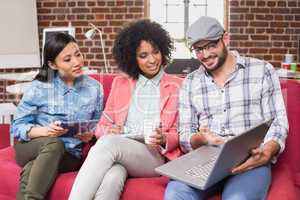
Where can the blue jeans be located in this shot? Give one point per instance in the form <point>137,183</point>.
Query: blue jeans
<point>250,185</point>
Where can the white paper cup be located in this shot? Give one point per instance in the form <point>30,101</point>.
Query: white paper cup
<point>149,130</point>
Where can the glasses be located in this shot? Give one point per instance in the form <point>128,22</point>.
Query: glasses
<point>208,47</point>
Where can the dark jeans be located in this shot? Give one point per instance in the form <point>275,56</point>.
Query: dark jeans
<point>42,159</point>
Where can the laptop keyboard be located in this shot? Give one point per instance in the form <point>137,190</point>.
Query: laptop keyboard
<point>202,170</point>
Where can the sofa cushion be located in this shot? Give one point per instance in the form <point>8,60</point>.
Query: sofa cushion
<point>291,155</point>
<point>148,188</point>
<point>5,139</point>
<point>153,188</point>
<point>282,184</point>
<point>106,81</point>
<point>9,173</point>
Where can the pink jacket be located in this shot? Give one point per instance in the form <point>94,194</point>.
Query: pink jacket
<point>118,102</point>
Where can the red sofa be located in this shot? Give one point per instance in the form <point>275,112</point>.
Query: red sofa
<point>286,174</point>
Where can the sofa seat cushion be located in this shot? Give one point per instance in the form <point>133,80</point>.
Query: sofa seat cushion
<point>4,197</point>
<point>135,188</point>
<point>148,189</point>
<point>9,173</point>
<point>62,186</point>
<point>145,188</point>
<point>282,184</point>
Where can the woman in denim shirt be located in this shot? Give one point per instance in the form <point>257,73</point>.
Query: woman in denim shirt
<point>60,92</point>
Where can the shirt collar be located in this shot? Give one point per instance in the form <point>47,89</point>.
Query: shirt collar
<point>61,84</point>
<point>240,63</point>
<point>142,80</point>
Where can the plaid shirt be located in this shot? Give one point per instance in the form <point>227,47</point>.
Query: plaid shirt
<point>251,94</point>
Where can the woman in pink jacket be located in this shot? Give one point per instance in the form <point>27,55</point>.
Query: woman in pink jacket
<point>142,104</point>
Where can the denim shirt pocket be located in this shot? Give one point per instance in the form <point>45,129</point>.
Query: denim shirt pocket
<point>53,110</point>
<point>88,109</point>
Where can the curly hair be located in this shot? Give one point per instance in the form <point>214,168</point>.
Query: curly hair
<point>129,39</point>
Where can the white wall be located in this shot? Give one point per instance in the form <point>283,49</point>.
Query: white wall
<point>19,41</point>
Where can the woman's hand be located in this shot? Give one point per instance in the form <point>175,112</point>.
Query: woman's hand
<point>54,130</point>
<point>158,138</point>
<point>84,137</point>
<point>115,129</point>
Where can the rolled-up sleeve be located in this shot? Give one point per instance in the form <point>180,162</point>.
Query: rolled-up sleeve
<point>273,107</point>
<point>24,120</point>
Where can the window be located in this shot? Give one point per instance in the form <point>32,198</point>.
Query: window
<point>47,32</point>
<point>176,15</point>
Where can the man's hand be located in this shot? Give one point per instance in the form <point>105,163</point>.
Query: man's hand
<point>205,136</point>
<point>259,156</point>
<point>210,137</point>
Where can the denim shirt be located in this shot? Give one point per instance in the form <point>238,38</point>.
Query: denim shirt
<point>46,102</point>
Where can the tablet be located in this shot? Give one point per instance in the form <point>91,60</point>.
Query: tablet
<point>79,126</point>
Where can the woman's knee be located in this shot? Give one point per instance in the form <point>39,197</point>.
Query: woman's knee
<point>105,142</point>
<point>53,144</point>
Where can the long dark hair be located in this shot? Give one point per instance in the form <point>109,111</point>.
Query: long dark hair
<point>53,46</point>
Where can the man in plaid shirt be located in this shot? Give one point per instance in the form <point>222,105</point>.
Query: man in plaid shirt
<point>225,96</point>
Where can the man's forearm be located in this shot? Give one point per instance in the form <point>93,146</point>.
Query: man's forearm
<point>272,148</point>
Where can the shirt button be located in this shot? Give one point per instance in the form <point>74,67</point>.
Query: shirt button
<point>222,91</point>
<point>224,110</point>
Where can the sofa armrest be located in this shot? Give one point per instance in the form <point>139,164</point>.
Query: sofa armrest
<point>282,184</point>
<point>5,138</point>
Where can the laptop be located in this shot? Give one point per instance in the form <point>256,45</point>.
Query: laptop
<point>205,166</point>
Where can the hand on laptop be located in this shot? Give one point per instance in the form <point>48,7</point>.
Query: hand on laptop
<point>210,137</point>
<point>259,156</point>
<point>205,136</point>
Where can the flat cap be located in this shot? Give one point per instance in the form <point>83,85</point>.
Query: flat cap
<point>205,28</point>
